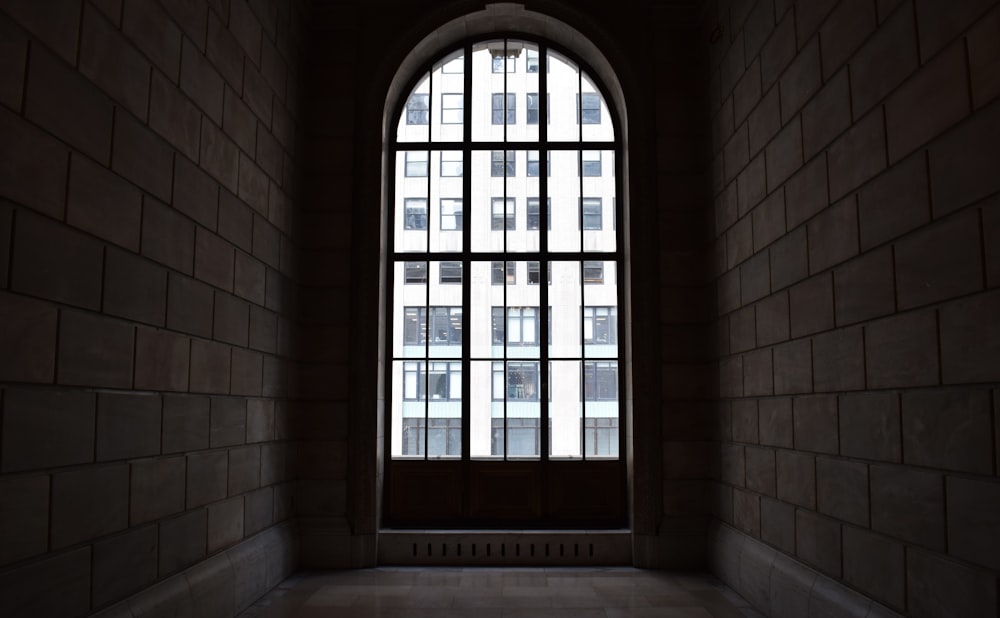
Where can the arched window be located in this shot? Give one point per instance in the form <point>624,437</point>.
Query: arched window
<point>505,364</point>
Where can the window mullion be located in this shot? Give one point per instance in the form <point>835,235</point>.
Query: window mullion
<point>467,219</point>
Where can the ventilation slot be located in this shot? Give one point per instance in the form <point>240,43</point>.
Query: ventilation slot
<point>428,548</point>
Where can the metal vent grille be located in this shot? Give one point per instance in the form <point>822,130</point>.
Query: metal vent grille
<point>525,548</point>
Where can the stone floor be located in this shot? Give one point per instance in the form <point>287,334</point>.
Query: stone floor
<point>413,592</point>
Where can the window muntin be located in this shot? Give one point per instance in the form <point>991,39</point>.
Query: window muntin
<point>486,185</point>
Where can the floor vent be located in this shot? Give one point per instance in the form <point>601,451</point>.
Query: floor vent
<point>517,547</point>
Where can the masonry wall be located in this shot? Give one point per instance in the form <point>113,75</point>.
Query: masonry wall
<point>857,261</point>
<point>148,294</point>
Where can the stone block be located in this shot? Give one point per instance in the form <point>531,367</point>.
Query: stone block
<point>43,429</point>
<point>739,242</point>
<point>56,262</point>
<point>896,202</point>
<point>134,288</point>
<point>801,81</point>
<point>940,25</point>
<point>775,422</point>
<point>24,517</point>
<point>948,429</point>
<point>847,27</point>
<point>758,373</point>
<point>94,350</point>
<point>141,156</point>
<point>247,29</point>
<point>220,156</point>
<point>777,524</point>
<point>267,241</point>
<point>927,274</point>
<point>232,319</point>
<point>768,219</point>
<point>60,99</point>
<point>88,503</point>
<point>970,339</point>
<point>113,64</point>
<point>225,53</point>
<point>128,426</point>
<point>104,204</point>
<point>984,54</point>
<point>778,51</point>
<point>928,103</point>
<point>791,585</point>
<point>213,260</point>
<point>33,166</point>
<point>796,478</point>
<point>827,115</point>
<point>207,475</point>
<point>56,23</point>
<point>973,533</point>
<point>842,489</point>
<point>195,193</point>
<point>838,360</point>
<point>857,155</point>
<point>875,565</point>
<point>247,372</point>
<point>225,523</point>
<point>58,585</point>
<point>759,25</point>
<point>811,305</point>
<point>991,242</point>
<point>235,221</point>
<point>191,17</point>
<point>185,423</point>
<point>746,512</point>
<point>182,541</point>
<point>173,115</point>
<point>870,426</point>
<point>806,193</point>
<point>200,81</point>
<point>864,288</point>
<point>741,330</point>
<point>149,27</point>
<point>963,162</point>
<point>210,367</point>
<point>744,420</point>
<point>733,465</point>
<point>167,236</point>
<point>810,17</point>
<point>938,586</point>
<point>816,423</point>
<point>244,469</point>
<point>124,564</point>
<point>263,330</point>
<point>28,338</point>
<point>269,157</point>
<point>833,235</point>
<point>789,259</point>
<point>253,184</point>
<point>239,122</point>
<point>755,278</point>
<point>161,360</point>
<point>888,58</point>
<point>784,154</point>
<point>761,470</point>
<point>902,351</point>
<point>190,305</point>
<point>772,319</point>
<point>260,420</point>
<point>908,504</point>
<point>157,489</point>
<point>257,93</point>
<point>249,278</point>
<point>228,421</point>
<point>817,542</point>
<point>763,124</point>
<point>259,510</point>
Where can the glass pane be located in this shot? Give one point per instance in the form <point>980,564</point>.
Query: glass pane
<point>522,322</point>
<point>565,409</point>
<point>410,205</point>
<point>409,399</point>
<point>600,409</point>
<point>489,85</point>
<point>449,87</point>
<point>596,119</point>
<point>444,410</point>
<point>482,407</point>
<point>487,319</point>
<point>494,215</point>
<point>563,91</point>
<point>598,206</point>
<point>600,312</point>
<point>414,122</point>
<point>565,305</point>
<point>445,320</point>
<point>564,195</point>
<point>522,88</point>
<point>409,313</point>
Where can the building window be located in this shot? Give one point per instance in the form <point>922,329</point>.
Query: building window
<point>522,437</point>
<point>593,273</point>
<point>590,163</point>
<point>498,108</point>
<point>451,214</point>
<point>451,163</point>
<point>590,108</point>
<point>500,213</point>
<point>444,437</point>
<point>503,274</point>
<point>535,273</point>
<point>417,109</point>
<point>416,163</point>
<point>451,272</point>
<point>531,105</point>
<point>498,63</point>
<point>590,208</point>
<point>533,167</point>
<point>521,383</point>
<point>600,436</point>
<point>415,272</point>
<point>503,162</point>
<point>531,57</point>
<point>534,215</point>
<point>600,381</point>
<point>415,212</point>
<point>444,325</point>
<point>600,325</point>
<point>452,108</point>
<point>521,326</point>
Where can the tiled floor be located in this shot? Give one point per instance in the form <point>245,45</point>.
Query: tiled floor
<point>501,593</point>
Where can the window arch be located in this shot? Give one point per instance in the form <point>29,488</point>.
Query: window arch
<point>504,268</point>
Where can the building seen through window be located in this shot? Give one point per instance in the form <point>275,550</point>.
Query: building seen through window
<point>505,261</point>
